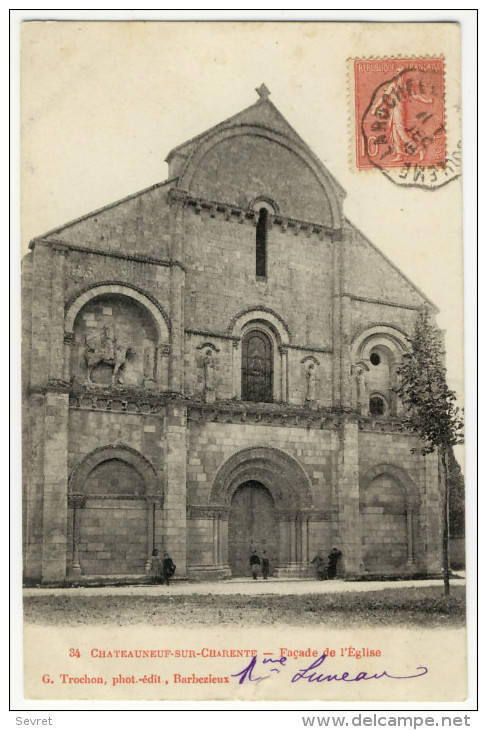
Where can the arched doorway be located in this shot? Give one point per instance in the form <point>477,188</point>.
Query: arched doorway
<point>252,526</point>
<point>113,497</point>
<point>113,524</point>
<point>384,517</point>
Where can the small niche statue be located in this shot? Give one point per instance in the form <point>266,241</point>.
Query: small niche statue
<point>310,399</point>
<point>361,388</point>
<point>209,376</point>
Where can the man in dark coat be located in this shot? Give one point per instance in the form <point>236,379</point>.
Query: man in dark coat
<point>333,559</point>
<point>254,564</point>
<point>168,568</point>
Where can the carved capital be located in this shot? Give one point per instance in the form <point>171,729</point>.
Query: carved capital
<point>156,499</point>
<point>164,349</point>
<point>56,385</point>
<point>205,512</point>
<point>287,515</point>
<point>76,501</point>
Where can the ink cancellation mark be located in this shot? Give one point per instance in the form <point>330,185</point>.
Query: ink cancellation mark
<point>400,122</point>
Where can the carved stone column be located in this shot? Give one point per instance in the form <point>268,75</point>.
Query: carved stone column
<point>236,369</point>
<point>336,323</point>
<point>215,539</point>
<point>289,545</point>
<point>409,536</point>
<point>212,522</point>
<point>284,374</point>
<point>162,365</point>
<point>68,344</point>
<point>349,524</point>
<point>151,508</point>
<point>223,535</point>
<point>305,556</point>
<point>77,502</point>
<point>175,488</point>
<point>55,502</point>
<point>177,284</point>
<point>284,556</point>
<point>56,325</point>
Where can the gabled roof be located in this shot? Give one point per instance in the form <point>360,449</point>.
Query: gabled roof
<point>93,213</point>
<point>263,113</point>
<point>398,271</point>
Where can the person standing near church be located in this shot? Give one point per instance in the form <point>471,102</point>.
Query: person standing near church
<point>168,568</point>
<point>254,564</point>
<point>265,565</point>
<point>333,559</point>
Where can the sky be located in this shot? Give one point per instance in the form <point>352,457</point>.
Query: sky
<point>103,103</point>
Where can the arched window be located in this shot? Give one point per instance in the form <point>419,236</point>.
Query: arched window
<point>261,243</point>
<point>257,368</point>
<point>377,405</point>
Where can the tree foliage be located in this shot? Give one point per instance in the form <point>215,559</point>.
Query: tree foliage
<point>429,404</point>
<point>457,496</point>
<point>430,411</point>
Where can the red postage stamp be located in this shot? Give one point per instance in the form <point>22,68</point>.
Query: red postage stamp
<point>399,112</point>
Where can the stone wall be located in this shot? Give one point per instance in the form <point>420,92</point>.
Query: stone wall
<point>371,275</point>
<point>136,225</point>
<point>392,452</point>
<point>270,169</point>
<point>88,269</point>
<point>298,285</point>
<point>113,536</point>
<point>211,444</point>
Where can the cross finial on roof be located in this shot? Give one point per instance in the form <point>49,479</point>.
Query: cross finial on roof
<point>263,91</point>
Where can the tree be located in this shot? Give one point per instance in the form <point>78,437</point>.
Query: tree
<point>457,497</point>
<point>430,409</point>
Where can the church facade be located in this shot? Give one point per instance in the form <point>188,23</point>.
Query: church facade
<point>209,368</point>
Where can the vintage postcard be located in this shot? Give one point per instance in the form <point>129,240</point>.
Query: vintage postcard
<point>242,362</point>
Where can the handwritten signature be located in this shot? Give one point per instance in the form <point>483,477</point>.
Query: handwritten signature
<point>309,674</point>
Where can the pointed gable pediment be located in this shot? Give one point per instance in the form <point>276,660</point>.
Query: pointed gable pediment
<point>257,153</point>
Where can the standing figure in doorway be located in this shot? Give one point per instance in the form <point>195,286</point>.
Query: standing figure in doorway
<point>254,564</point>
<point>265,565</point>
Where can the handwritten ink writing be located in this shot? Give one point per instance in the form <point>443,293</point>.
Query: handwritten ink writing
<point>247,673</point>
<point>311,676</point>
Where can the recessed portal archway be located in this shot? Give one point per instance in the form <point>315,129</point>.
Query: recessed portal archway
<point>252,525</point>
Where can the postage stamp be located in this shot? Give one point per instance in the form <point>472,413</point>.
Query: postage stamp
<point>399,113</point>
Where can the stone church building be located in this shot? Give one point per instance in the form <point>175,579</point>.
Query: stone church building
<point>209,368</point>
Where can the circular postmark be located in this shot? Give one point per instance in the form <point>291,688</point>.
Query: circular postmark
<point>403,130</point>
